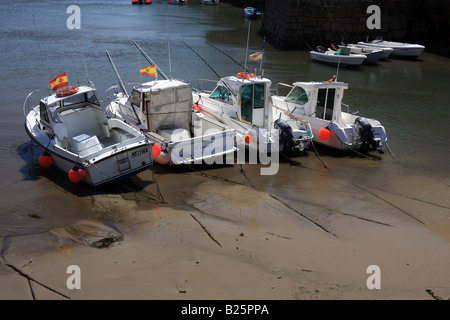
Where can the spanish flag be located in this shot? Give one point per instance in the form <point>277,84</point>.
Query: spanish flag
<point>150,70</point>
<point>59,81</point>
<point>256,56</point>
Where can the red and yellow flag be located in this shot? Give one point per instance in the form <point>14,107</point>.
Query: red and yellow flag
<point>257,56</point>
<point>149,70</point>
<point>59,81</point>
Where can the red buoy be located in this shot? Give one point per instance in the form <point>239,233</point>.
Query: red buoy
<point>248,138</point>
<point>156,150</point>
<point>73,175</point>
<point>197,107</point>
<point>45,160</point>
<point>324,134</point>
<point>82,173</point>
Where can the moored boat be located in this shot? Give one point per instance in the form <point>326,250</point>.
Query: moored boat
<point>373,54</point>
<point>242,103</point>
<point>211,2</point>
<point>400,49</point>
<point>78,138</point>
<point>320,104</point>
<point>340,57</point>
<point>178,1</point>
<point>163,110</point>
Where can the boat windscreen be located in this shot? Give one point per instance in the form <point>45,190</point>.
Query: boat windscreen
<point>297,95</point>
<point>80,98</point>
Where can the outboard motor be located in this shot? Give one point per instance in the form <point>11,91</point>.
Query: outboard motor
<point>286,136</point>
<point>320,49</point>
<point>364,130</point>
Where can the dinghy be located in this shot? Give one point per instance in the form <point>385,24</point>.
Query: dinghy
<point>78,138</point>
<point>320,104</point>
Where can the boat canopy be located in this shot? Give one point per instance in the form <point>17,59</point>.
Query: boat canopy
<point>166,103</point>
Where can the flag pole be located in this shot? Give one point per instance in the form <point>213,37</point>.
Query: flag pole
<point>262,57</point>
<point>246,50</point>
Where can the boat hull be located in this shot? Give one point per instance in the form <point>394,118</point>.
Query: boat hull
<point>405,50</point>
<point>338,59</point>
<point>102,168</point>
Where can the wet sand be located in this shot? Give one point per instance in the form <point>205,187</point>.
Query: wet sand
<point>226,232</point>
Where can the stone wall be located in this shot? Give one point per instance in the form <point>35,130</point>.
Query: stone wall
<point>304,24</point>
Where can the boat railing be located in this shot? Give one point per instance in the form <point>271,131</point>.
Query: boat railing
<point>28,104</point>
<point>208,85</point>
<point>282,84</point>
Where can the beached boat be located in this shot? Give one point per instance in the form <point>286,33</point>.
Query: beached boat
<point>79,139</point>
<point>251,13</point>
<point>163,110</point>
<point>400,49</point>
<point>339,57</point>
<point>211,2</point>
<point>141,1</point>
<point>320,104</point>
<point>242,103</point>
<point>178,1</point>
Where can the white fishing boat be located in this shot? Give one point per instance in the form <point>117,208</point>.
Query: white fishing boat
<point>386,52</point>
<point>210,2</point>
<point>178,1</point>
<point>320,104</point>
<point>373,54</point>
<point>163,110</point>
<point>242,103</point>
<point>79,139</point>
<point>340,57</point>
<point>400,49</point>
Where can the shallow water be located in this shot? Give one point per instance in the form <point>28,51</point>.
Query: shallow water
<point>408,97</point>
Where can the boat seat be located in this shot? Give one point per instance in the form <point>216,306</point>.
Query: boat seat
<point>85,144</point>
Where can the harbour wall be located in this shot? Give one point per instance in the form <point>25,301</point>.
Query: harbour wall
<point>304,24</point>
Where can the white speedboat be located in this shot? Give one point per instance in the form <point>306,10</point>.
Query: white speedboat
<point>373,54</point>
<point>320,104</point>
<point>386,52</point>
<point>400,49</point>
<point>211,2</point>
<point>340,57</point>
<point>242,103</point>
<point>178,1</point>
<point>163,110</point>
<point>79,139</point>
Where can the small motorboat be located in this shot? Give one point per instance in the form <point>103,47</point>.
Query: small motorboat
<point>373,54</point>
<point>242,103</point>
<point>386,52</point>
<point>77,137</point>
<point>210,2</point>
<point>320,104</point>
<point>141,1</point>
<point>163,110</point>
<point>178,1</point>
<point>251,13</point>
<point>341,57</point>
<point>400,49</point>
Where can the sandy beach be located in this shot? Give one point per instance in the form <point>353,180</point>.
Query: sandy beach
<point>225,232</point>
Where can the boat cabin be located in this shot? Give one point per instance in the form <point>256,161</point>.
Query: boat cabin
<point>244,98</point>
<point>320,100</point>
<point>78,122</point>
<point>162,106</point>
